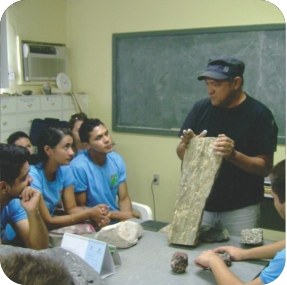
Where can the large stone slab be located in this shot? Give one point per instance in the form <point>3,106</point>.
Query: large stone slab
<point>199,168</point>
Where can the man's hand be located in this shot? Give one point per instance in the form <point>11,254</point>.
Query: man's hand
<point>187,135</point>
<point>30,199</point>
<point>224,146</point>
<point>33,231</point>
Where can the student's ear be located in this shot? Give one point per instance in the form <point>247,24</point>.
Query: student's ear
<point>4,187</point>
<point>47,150</point>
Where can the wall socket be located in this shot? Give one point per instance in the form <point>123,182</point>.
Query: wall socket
<point>155,180</point>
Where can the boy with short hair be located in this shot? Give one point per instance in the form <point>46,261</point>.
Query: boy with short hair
<point>210,258</point>
<point>19,203</point>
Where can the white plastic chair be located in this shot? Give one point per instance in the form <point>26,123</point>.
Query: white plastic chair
<point>144,211</point>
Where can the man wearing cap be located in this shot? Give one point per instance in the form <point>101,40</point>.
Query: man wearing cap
<point>246,139</point>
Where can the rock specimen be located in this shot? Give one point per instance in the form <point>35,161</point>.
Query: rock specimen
<point>226,258</point>
<point>199,168</point>
<point>212,234</point>
<point>81,272</point>
<point>122,235</point>
<point>179,262</point>
<point>27,268</point>
<point>252,237</point>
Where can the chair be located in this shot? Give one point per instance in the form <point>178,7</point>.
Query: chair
<point>144,211</point>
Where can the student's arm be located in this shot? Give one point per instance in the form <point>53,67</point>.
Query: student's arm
<point>210,259</point>
<point>261,252</point>
<point>125,205</point>
<point>32,231</point>
<point>69,201</point>
<point>71,207</point>
<point>223,276</point>
<point>75,214</point>
<point>124,201</point>
<point>81,198</point>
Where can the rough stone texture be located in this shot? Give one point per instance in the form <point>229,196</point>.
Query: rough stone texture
<point>212,234</point>
<point>81,272</point>
<point>226,258</point>
<point>252,237</point>
<point>199,168</point>
<point>122,235</point>
<point>179,262</point>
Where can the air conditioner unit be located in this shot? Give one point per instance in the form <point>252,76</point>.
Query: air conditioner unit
<point>42,62</point>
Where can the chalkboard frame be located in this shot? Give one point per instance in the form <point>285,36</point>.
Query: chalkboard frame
<point>116,75</point>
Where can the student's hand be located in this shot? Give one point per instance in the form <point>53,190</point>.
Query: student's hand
<point>30,199</point>
<point>103,208</point>
<point>205,259</point>
<point>224,146</point>
<point>104,221</point>
<point>100,215</point>
<point>235,253</point>
<point>187,135</point>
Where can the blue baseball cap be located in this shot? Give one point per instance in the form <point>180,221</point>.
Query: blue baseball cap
<point>221,68</point>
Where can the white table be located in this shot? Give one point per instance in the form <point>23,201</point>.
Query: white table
<point>148,263</point>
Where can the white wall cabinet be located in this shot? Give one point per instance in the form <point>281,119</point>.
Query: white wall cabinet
<point>17,113</point>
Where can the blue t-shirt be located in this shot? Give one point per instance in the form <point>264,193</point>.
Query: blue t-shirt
<point>100,182</point>
<point>51,190</point>
<point>274,269</point>
<point>11,214</point>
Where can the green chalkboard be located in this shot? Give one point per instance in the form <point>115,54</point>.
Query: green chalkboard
<point>155,73</point>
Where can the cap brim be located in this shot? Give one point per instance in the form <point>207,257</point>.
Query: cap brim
<point>213,75</point>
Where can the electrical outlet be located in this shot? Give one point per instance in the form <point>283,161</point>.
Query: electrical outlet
<point>155,180</point>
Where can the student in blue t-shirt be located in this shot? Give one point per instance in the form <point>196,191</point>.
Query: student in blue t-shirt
<point>19,203</point>
<point>100,172</point>
<point>210,259</point>
<point>22,139</point>
<point>53,177</point>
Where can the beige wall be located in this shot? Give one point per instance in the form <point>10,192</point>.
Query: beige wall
<point>91,31</point>
<point>88,33</point>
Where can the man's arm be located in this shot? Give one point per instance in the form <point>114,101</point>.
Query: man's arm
<point>259,165</point>
<point>32,231</point>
